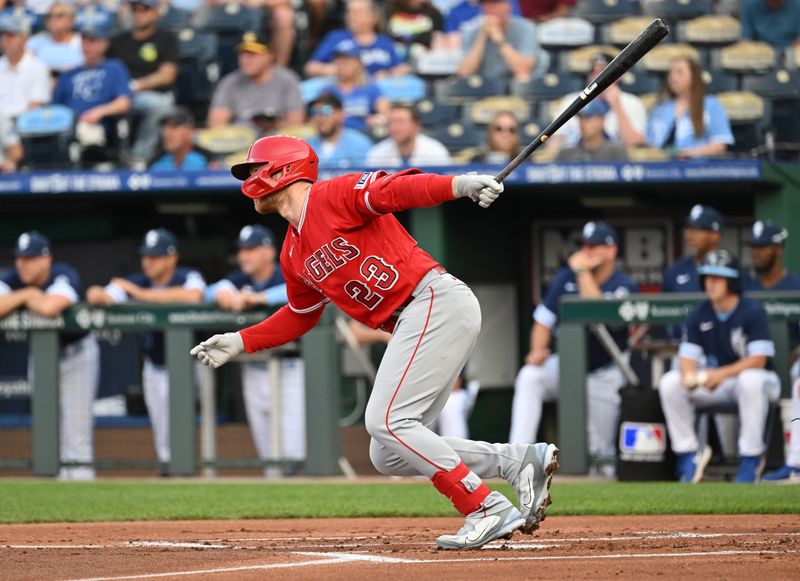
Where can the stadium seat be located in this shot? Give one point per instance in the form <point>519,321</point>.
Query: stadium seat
<point>222,142</point>
<point>579,61</point>
<point>749,116</point>
<point>674,10</point>
<point>313,87</point>
<point>645,153</point>
<point>547,87</point>
<point>745,57</point>
<point>229,21</point>
<point>46,134</point>
<point>659,59</point>
<point>198,71</point>
<point>719,81</point>
<point>782,88</point>
<point>458,135</point>
<point>174,19</point>
<point>640,83</point>
<point>565,33</point>
<point>441,62</point>
<point>433,113</point>
<point>482,111</point>
<point>403,88</point>
<point>600,11</point>
<point>710,30</point>
<point>460,90</point>
<point>621,32</point>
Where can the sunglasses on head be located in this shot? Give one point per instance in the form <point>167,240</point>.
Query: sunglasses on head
<point>322,110</point>
<point>504,128</point>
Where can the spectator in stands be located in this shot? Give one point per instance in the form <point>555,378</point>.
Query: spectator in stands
<point>591,273</point>
<point>624,124</point>
<point>594,144</point>
<point>47,289</point>
<point>364,103</point>
<point>177,139</point>
<point>502,140</point>
<point>776,22</point>
<point>58,46</point>
<point>414,25</point>
<point>766,251</point>
<point>701,236</point>
<point>725,356</point>
<point>24,79</point>
<point>10,146</point>
<point>258,87</point>
<point>406,146</point>
<point>336,145</point>
<point>161,281</point>
<point>151,56</point>
<point>97,91</point>
<point>377,50</point>
<point>260,282</point>
<point>467,12</point>
<point>686,122</point>
<point>501,45</point>
<point>544,10</point>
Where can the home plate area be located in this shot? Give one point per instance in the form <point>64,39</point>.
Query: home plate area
<point>693,546</point>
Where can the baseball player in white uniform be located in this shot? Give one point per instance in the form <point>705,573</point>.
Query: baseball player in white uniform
<point>47,289</point>
<point>260,282</point>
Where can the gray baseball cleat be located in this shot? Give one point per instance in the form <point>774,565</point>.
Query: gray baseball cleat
<point>533,484</point>
<point>480,528</point>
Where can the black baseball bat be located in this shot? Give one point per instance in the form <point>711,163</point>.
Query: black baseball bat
<point>629,56</point>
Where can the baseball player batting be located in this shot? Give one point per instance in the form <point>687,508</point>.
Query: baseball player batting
<point>344,245</point>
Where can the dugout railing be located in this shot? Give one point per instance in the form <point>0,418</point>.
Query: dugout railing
<point>179,324</point>
<point>577,314</point>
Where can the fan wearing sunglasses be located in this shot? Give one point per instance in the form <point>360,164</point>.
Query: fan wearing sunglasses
<point>502,140</point>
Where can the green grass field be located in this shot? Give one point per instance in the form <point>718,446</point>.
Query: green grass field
<point>45,501</point>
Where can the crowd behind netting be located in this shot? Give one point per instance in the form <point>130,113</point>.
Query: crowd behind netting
<point>189,84</point>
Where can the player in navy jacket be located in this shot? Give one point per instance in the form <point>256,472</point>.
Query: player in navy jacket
<point>161,281</point>
<point>725,356</point>
<point>766,249</point>
<point>701,236</point>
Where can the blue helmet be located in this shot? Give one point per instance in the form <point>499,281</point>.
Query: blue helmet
<point>722,263</point>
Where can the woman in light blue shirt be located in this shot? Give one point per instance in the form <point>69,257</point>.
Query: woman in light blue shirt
<point>686,121</point>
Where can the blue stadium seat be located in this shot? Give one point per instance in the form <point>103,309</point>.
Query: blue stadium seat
<point>601,11</point>
<point>229,21</point>
<point>433,113</point>
<point>674,10</point>
<point>198,71</point>
<point>640,83</point>
<point>403,88</point>
<point>313,87</point>
<point>174,19</point>
<point>782,88</point>
<point>459,90</point>
<point>720,81</point>
<point>46,134</point>
<point>548,87</point>
<point>458,135</point>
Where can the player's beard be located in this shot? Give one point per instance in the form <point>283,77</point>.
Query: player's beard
<point>269,204</point>
<point>767,265</point>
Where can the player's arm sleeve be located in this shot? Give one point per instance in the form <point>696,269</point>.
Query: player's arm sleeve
<point>63,286</point>
<point>276,295</point>
<point>117,294</point>
<point>691,345</point>
<point>210,293</point>
<point>546,314</point>
<point>282,327</point>
<point>404,190</point>
<point>194,281</point>
<point>759,339</point>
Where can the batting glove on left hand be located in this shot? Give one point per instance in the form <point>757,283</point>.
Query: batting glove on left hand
<point>218,349</point>
<point>483,189</point>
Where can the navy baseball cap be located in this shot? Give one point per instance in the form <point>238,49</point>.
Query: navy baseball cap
<point>148,3</point>
<point>767,233</point>
<point>15,22</point>
<point>255,235</point>
<point>705,218</point>
<point>32,244</point>
<point>347,49</point>
<point>719,263</point>
<point>158,242</point>
<point>596,233</point>
<point>596,108</point>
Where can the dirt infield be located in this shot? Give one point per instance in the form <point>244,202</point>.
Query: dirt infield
<point>566,547</point>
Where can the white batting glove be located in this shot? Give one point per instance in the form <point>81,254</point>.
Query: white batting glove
<point>218,349</point>
<point>483,189</point>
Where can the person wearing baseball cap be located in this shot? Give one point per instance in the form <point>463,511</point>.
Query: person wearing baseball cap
<point>725,357</point>
<point>161,281</point>
<point>766,250</point>
<point>590,272</point>
<point>594,144</point>
<point>25,79</point>
<point>256,87</point>
<point>177,140</point>
<point>700,236</point>
<point>47,289</point>
<point>338,146</point>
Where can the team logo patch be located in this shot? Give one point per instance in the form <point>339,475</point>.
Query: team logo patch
<point>642,442</point>
<point>363,180</point>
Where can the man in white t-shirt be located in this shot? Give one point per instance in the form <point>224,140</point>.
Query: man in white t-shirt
<point>406,146</point>
<point>24,79</point>
<point>625,122</point>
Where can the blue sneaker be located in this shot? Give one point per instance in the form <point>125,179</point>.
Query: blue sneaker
<point>691,465</point>
<point>785,472</point>
<point>750,469</point>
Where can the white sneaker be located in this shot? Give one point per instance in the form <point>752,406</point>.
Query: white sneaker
<point>481,528</point>
<point>533,483</point>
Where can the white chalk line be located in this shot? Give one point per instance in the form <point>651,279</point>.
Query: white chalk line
<point>338,558</point>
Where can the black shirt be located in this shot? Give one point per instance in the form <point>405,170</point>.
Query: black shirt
<point>144,57</point>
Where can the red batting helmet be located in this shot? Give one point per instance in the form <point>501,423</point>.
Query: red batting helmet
<point>275,153</point>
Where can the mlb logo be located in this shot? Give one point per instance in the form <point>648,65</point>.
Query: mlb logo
<point>644,442</point>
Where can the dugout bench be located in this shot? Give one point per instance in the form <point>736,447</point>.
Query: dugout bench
<point>576,314</point>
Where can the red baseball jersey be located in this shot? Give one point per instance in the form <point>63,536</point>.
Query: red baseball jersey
<point>348,248</point>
